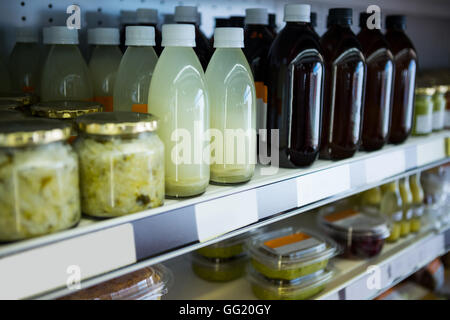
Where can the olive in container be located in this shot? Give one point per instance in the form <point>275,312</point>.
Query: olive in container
<point>219,269</point>
<point>150,283</point>
<point>297,289</point>
<point>121,163</point>
<point>290,253</point>
<point>39,186</point>
<point>361,235</point>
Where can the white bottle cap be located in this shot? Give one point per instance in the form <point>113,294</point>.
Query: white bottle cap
<point>186,14</point>
<point>46,35</point>
<point>256,16</point>
<point>27,35</point>
<point>178,35</point>
<point>63,35</point>
<point>139,36</point>
<point>104,36</point>
<point>147,16</point>
<point>128,17</point>
<point>297,13</point>
<point>228,38</point>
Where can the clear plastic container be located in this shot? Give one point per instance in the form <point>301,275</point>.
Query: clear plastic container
<point>219,270</point>
<point>298,289</point>
<point>233,109</point>
<point>227,248</point>
<point>290,253</point>
<point>361,235</point>
<point>150,283</point>
<point>39,189</point>
<point>121,163</point>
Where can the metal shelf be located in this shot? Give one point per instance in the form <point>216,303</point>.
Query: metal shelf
<point>103,249</point>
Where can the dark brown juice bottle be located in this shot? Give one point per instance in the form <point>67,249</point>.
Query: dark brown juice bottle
<point>344,87</point>
<point>257,40</point>
<point>295,85</point>
<point>189,15</point>
<point>405,59</point>
<point>379,84</point>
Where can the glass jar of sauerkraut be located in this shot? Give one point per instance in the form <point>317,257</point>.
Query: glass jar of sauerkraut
<point>121,163</point>
<point>39,189</point>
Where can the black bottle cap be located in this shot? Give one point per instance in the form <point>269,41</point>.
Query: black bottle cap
<point>272,20</point>
<point>340,16</point>
<point>396,21</point>
<point>237,21</point>
<point>314,19</point>
<point>222,22</point>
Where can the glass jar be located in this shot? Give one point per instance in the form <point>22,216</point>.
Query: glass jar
<point>439,103</point>
<point>39,191</point>
<point>423,111</point>
<point>66,111</point>
<point>24,99</point>
<point>121,163</point>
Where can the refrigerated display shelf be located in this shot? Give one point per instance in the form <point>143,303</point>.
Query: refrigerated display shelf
<point>99,250</point>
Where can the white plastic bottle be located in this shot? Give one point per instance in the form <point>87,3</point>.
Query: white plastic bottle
<point>178,96</point>
<point>232,109</point>
<point>24,61</point>
<point>135,70</point>
<point>65,75</point>
<point>104,63</point>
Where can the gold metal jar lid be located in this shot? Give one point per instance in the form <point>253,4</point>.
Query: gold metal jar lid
<point>25,99</point>
<point>10,105</point>
<point>64,109</point>
<point>428,91</point>
<point>117,123</point>
<point>6,115</point>
<point>27,132</point>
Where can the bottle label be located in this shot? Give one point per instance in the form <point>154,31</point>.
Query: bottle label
<point>107,103</point>
<point>438,120</point>
<point>447,118</point>
<point>139,107</point>
<point>424,124</point>
<point>261,105</point>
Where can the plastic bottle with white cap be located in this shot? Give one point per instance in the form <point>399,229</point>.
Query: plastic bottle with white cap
<point>65,75</point>
<point>135,70</point>
<point>233,108</point>
<point>128,18</point>
<point>295,89</point>
<point>178,97</point>
<point>104,63</point>
<point>149,18</point>
<point>24,61</point>
<point>258,39</point>
<point>190,15</point>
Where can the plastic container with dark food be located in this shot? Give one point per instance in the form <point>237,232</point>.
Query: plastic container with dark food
<point>145,284</point>
<point>361,235</point>
<point>219,270</point>
<point>290,253</point>
<point>298,289</point>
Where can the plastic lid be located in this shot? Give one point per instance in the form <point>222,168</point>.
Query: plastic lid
<point>290,249</point>
<point>25,98</point>
<point>29,132</point>
<point>314,19</point>
<point>146,284</point>
<point>178,35</point>
<point>396,21</point>
<point>186,14</point>
<point>228,38</point>
<point>27,35</point>
<point>218,264</point>
<point>147,16</point>
<point>139,36</point>
<point>256,16</point>
<point>128,17</point>
<point>228,248</point>
<point>104,36</point>
<point>63,35</point>
<point>64,109</point>
<point>297,13</point>
<point>340,16</point>
<point>353,223</point>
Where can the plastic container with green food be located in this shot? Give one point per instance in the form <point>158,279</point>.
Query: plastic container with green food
<point>219,270</point>
<point>227,248</point>
<point>297,289</point>
<point>290,253</point>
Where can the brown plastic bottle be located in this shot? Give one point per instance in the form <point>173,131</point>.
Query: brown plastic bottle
<point>344,87</point>
<point>379,84</point>
<point>295,85</point>
<point>405,59</point>
<point>189,15</point>
<point>258,39</point>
